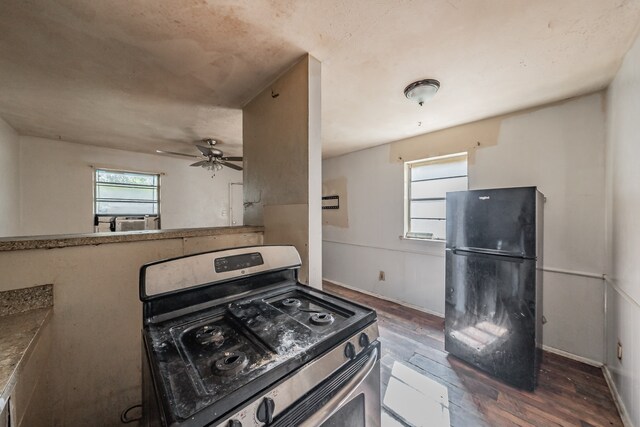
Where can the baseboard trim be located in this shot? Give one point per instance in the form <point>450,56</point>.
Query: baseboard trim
<point>622,410</point>
<point>384,297</point>
<point>433,313</point>
<point>572,356</point>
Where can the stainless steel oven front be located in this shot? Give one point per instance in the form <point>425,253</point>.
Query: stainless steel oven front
<point>357,404</point>
<point>341,388</point>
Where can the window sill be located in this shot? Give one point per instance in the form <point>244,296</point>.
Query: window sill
<point>418,239</point>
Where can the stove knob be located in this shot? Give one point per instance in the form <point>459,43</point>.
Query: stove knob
<point>363,340</point>
<point>234,423</point>
<point>265,410</point>
<point>350,350</point>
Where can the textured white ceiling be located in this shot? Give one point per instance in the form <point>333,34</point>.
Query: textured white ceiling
<point>147,75</point>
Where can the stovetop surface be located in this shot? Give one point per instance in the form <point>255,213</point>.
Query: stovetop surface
<point>222,355</point>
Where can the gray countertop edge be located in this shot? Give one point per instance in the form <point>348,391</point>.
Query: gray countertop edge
<point>68,240</point>
<point>11,381</point>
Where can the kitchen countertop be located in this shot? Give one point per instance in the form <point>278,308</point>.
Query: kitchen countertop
<point>18,335</point>
<point>21,300</point>
<point>67,240</point>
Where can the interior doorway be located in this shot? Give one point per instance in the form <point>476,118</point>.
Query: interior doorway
<point>236,204</point>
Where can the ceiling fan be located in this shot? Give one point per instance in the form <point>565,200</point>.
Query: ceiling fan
<point>211,158</point>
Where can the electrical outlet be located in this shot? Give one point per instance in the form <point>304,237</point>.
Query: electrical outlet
<point>381,276</point>
<point>224,212</point>
<point>619,351</point>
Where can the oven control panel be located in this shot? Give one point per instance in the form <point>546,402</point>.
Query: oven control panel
<point>177,274</point>
<point>237,262</point>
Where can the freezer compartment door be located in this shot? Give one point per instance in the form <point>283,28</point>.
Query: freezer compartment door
<point>490,315</point>
<point>501,220</point>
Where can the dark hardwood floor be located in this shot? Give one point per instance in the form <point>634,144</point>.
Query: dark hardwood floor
<point>423,385</point>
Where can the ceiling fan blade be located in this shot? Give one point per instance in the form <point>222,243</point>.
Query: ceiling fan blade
<point>231,165</point>
<point>232,159</point>
<point>177,154</point>
<point>200,163</point>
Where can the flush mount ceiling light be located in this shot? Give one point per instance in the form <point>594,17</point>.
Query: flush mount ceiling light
<point>422,90</point>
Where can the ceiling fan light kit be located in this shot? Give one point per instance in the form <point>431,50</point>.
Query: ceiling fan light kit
<point>422,90</point>
<point>214,160</point>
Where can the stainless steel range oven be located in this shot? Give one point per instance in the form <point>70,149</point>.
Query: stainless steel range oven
<point>230,338</point>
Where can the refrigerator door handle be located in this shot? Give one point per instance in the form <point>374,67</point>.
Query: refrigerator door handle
<point>495,252</point>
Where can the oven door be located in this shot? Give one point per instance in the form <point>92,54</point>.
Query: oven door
<point>350,397</point>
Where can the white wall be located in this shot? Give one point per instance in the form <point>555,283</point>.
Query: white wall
<point>9,180</point>
<point>56,187</point>
<point>623,233</point>
<point>560,148</point>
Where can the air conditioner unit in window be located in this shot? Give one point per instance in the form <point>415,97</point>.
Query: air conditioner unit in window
<point>130,224</point>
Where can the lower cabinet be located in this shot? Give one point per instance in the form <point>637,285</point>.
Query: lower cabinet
<point>30,399</point>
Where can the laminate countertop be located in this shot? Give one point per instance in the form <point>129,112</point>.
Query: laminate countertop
<point>19,332</point>
<point>64,241</point>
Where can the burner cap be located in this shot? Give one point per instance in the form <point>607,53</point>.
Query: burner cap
<point>231,362</point>
<point>321,318</point>
<point>291,302</point>
<point>210,334</point>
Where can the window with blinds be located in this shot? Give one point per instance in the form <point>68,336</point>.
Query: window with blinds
<point>120,193</point>
<point>428,182</point>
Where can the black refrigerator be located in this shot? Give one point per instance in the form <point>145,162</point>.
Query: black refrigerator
<point>493,310</point>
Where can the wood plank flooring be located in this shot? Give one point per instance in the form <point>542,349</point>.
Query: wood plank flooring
<point>428,387</point>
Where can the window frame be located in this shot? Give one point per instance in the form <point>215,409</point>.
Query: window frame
<point>407,191</point>
<point>158,176</point>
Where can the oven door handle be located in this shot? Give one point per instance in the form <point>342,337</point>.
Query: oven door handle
<point>324,413</point>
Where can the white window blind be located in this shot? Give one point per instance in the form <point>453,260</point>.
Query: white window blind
<point>428,182</point>
<point>126,193</point>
